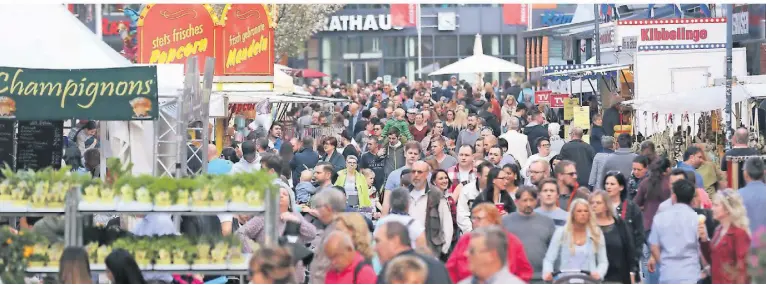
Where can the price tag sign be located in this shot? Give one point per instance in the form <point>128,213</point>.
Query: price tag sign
<point>557,100</point>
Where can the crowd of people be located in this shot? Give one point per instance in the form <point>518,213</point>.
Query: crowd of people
<point>426,184</point>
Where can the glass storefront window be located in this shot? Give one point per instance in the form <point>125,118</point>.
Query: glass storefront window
<point>427,50</point>
<point>466,45</point>
<point>509,44</point>
<point>353,45</point>
<point>313,48</point>
<point>370,44</point>
<point>395,67</point>
<point>490,44</point>
<point>331,48</point>
<point>394,46</point>
<point>447,45</point>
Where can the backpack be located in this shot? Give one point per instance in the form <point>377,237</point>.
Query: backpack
<point>359,267</point>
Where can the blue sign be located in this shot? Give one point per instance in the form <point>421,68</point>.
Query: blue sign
<point>551,18</point>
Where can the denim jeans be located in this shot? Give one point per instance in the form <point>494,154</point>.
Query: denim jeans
<point>649,277</point>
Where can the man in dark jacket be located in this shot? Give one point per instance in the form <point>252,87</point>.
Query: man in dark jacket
<point>622,158</point>
<point>536,129</point>
<point>596,132</point>
<point>490,119</point>
<point>612,116</point>
<point>392,240</point>
<point>579,152</point>
<point>305,158</point>
<point>393,152</point>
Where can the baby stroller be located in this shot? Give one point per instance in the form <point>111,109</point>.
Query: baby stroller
<point>574,277</point>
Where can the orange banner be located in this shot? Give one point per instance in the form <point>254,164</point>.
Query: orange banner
<point>404,15</point>
<point>247,41</point>
<point>170,33</point>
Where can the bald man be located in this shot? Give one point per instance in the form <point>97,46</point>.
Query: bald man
<point>347,265</point>
<point>739,147</point>
<point>422,195</point>
<point>581,153</point>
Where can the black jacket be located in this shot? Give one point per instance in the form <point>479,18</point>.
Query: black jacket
<point>486,197</point>
<point>437,273</point>
<point>305,158</point>
<point>535,132</point>
<point>634,218</point>
<point>492,122</point>
<point>582,155</point>
<point>596,133</point>
<point>337,160</point>
<point>611,118</point>
<point>376,164</point>
<point>629,262</point>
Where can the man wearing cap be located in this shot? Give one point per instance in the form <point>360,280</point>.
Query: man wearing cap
<point>249,161</point>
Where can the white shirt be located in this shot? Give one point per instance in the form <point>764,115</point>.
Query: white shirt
<point>463,217</point>
<point>418,210</point>
<point>518,146</point>
<point>244,166</point>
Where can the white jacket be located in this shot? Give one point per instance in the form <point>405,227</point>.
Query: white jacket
<point>518,146</point>
<point>418,210</point>
<point>467,195</point>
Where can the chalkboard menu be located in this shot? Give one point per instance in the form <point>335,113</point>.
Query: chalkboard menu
<point>7,131</point>
<point>39,144</point>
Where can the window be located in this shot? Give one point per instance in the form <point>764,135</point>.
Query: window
<point>466,45</point>
<point>442,63</point>
<point>491,45</point>
<point>331,48</point>
<point>394,46</point>
<point>353,45</point>
<point>395,67</point>
<point>447,45</point>
<point>370,44</point>
<point>313,48</point>
<point>509,44</point>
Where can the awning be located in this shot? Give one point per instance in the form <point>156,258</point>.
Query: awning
<point>257,96</point>
<point>583,71</point>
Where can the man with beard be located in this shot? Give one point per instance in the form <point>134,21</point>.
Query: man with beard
<point>393,152</point>
<point>538,170</point>
<point>362,137</point>
<point>372,161</point>
<point>579,152</point>
<point>275,136</point>
<point>468,135</point>
<point>534,230</point>
<point>566,175</point>
<point>412,154</point>
<point>305,159</point>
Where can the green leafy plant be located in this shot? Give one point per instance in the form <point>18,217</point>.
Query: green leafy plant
<point>16,252</point>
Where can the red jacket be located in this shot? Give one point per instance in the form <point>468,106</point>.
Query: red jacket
<point>366,275</point>
<point>728,255</point>
<point>518,264</point>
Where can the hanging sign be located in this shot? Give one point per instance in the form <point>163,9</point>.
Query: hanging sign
<point>247,40</point>
<point>542,96</point>
<point>679,34</point>
<point>170,33</point>
<point>557,100</point>
<point>117,94</point>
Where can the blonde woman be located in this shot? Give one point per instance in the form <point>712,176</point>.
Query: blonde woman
<point>727,252</point>
<point>355,185</point>
<point>508,111</point>
<point>458,124</point>
<point>355,226</point>
<point>578,245</point>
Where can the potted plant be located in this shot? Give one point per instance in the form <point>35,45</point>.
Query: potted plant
<point>236,257</point>
<point>202,252</point>
<point>91,248</point>
<point>163,189</point>
<point>143,252</point>
<point>220,192</point>
<point>185,186</point>
<point>41,248</point>
<point>92,191</point>
<point>7,184</point>
<point>54,254</point>
<point>101,253</point>
<point>163,246</point>
<point>125,189</point>
<point>17,253</point>
<point>220,252</point>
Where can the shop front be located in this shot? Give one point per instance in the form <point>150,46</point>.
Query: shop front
<point>748,31</point>
<point>361,44</point>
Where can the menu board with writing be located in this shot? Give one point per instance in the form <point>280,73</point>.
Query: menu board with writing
<point>7,130</point>
<point>39,144</point>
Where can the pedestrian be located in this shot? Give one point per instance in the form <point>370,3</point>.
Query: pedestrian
<point>326,206</point>
<point>486,215</point>
<point>532,229</point>
<point>355,185</point>
<point>674,238</point>
<point>374,160</point>
<point>566,175</point>
<point>595,181</point>
<point>436,132</point>
<point>249,161</point>
<point>488,255</point>
<point>470,134</point>
<point>439,153</point>
<point>693,158</point>
<point>712,175</point>
<point>518,143</point>
<point>420,128</point>
<point>622,158</point>
<point>272,265</point>
<point>625,209</point>
<point>412,154</point>
<point>393,240</point>
<point>638,172</point>
<point>400,203</point>
<point>356,227</point>
<point>74,267</point>
<point>440,180</point>
<point>514,179</point>
<point>549,199</point>
<point>348,265</point>
<point>304,159</point>
<point>728,251</point>
<point>597,133</point>
<point>538,171</point>
<point>654,190</point>
<point>429,206</point>
<point>578,246</point>
<point>543,146</point>
<point>469,191</point>
<point>556,141</point>
<point>121,268</point>
<point>323,173</point>
<point>620,248</point>
<point>754,193</point>
<point>740,147</point>
<point>579,152</point>
<point>331,154</point>
<point>535,129</point>
<point>406,270</point>
<point>495,193</point>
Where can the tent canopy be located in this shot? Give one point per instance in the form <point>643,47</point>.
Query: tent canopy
<point>698,100</point>
<point>478,63</point>
<point>60,41</point>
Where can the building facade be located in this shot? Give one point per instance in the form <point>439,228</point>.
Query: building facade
<point>749,31</point>
<point>359,42</point>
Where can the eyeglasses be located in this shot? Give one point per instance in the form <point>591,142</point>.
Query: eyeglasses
<point>545,145</point>
<point>418,171</point>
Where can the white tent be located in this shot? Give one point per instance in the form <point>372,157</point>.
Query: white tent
<point>61,41</point>
<point>49,36</point>
<point>478,63</point>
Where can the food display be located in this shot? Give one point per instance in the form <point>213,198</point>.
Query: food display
<point>40,191</point>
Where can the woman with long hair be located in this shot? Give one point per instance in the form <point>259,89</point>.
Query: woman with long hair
<point>74,267</point>
<point>355,226</point>
<point>458,124</point>
<point>440,179</point>
<point>727,252</point>
<point>508,111</point>
<point>497,181</point>
<point>121,268</point>
<point>514,178</point>
<point>578,245</point>
<point>620,249</point>
<point>615,184</point>
<point>654,190</point>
